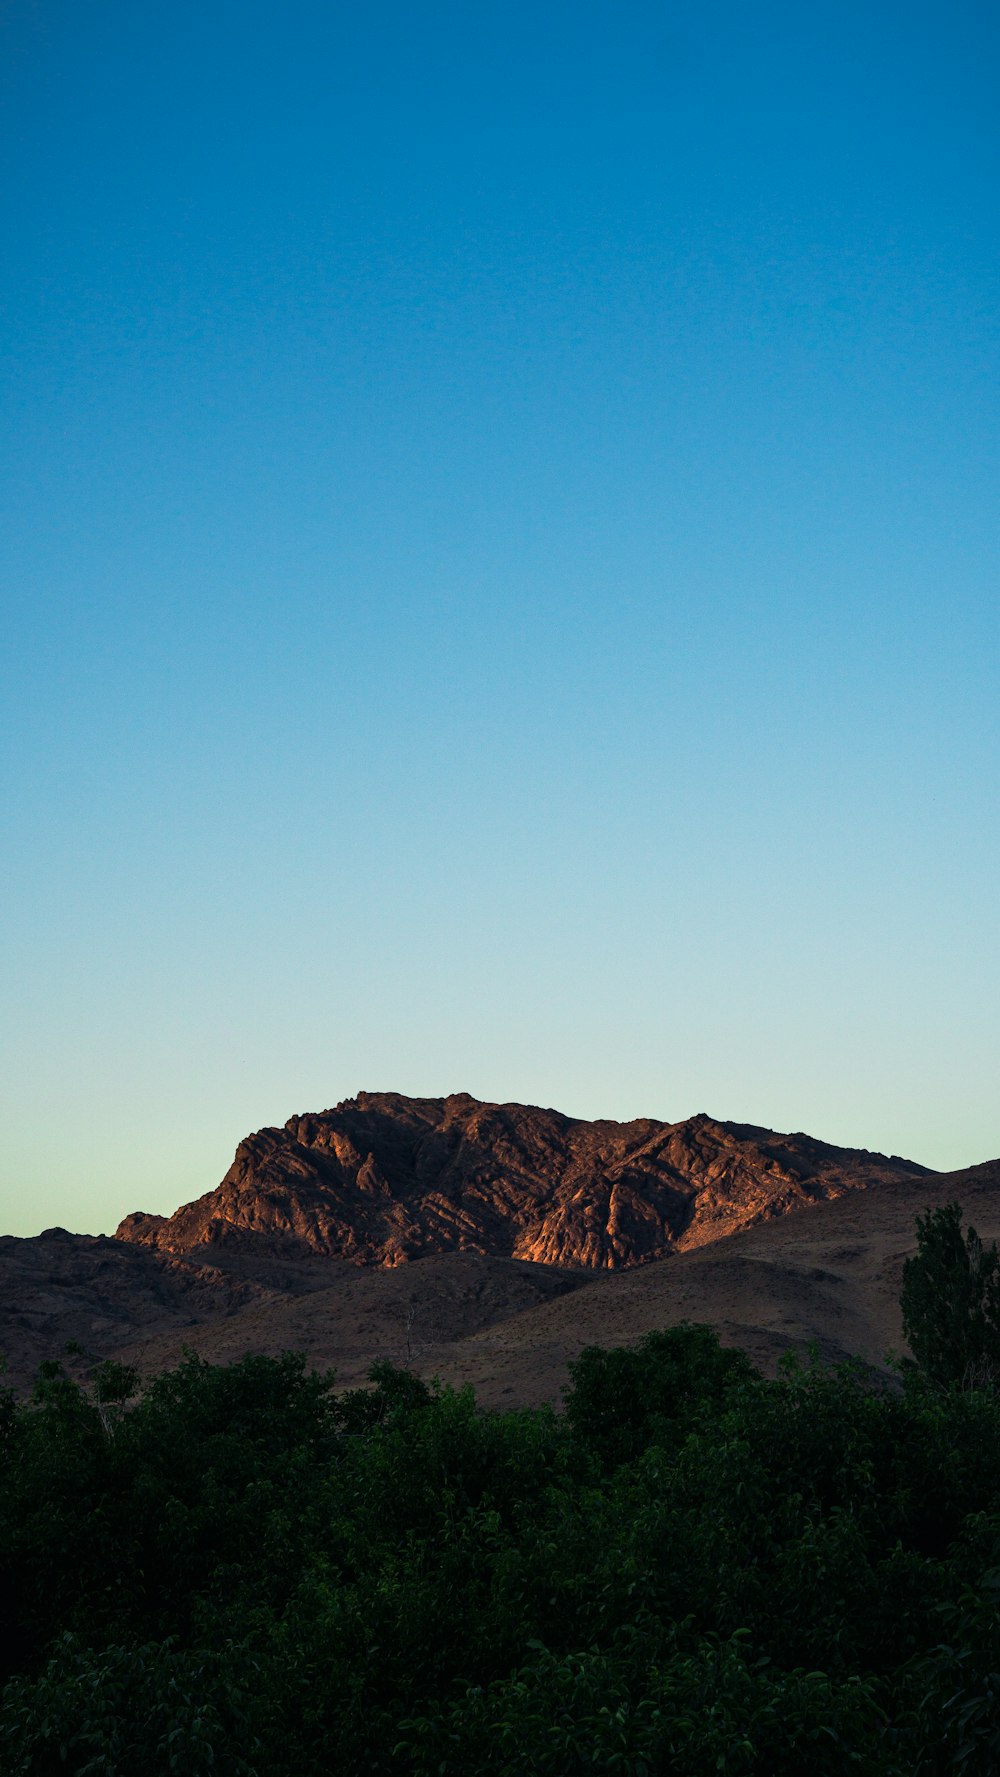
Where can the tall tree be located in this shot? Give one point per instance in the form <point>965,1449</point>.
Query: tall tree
<point>951,1302</point>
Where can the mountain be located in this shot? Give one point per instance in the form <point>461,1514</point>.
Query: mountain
<point>829,1278</point>
<point>524,1233</point>
<point>382,1179</point>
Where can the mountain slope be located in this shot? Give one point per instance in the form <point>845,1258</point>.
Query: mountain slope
<point>81,1298</point>
<point>830,1279</point>
<point>97,1293</point>
<point>382,1179</point>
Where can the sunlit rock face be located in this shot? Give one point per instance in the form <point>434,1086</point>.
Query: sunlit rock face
<point>382,1179</point>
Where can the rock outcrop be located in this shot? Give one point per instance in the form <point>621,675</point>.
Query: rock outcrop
<point>382,1179</point>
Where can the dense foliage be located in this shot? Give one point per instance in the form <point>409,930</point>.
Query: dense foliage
<point>692,1571</point>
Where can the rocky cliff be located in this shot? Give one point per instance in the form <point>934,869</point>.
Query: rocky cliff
<point>382,1179</point>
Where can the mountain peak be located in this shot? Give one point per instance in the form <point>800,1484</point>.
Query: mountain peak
<point>383,1178</point>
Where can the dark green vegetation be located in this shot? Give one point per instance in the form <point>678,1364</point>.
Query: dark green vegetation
<point>692,1571</point>
<point>951,1301</point>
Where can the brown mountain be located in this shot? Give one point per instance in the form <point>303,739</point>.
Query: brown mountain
<point>831,1277</point>
<point>382,1179</point>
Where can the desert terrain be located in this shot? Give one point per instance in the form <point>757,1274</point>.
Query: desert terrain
<point>405,1230</point>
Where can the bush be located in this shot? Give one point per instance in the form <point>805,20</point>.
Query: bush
<point>133,1711</point>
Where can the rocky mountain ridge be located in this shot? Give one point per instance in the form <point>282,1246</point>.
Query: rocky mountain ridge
<point>381,1179</point>
<point>502,1209</point>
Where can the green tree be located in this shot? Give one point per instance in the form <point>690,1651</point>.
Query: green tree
<point>951,1302</point>
<point>624,1400</point>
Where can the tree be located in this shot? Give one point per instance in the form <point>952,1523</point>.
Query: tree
<point>951,1302</point>
<point>624,1400</point>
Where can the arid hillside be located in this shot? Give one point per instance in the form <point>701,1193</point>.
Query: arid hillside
<point>480,1242</point>
<point>382,1179</point>
<point>829,1276</point>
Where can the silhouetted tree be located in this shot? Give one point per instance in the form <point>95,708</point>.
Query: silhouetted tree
<point>951,1302</point>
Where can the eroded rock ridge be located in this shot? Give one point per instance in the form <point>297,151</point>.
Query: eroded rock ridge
<point>382,1179</point>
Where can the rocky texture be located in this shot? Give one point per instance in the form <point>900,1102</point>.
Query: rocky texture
<point>827,1281</point>
<point>504,1210</point>
<point>382,1179</point>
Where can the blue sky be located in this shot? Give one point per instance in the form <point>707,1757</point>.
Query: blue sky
<point>499,558</point>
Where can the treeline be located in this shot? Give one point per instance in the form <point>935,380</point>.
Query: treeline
<point>692,1570</point>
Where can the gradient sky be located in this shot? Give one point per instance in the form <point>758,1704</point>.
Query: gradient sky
<point>499,558</point>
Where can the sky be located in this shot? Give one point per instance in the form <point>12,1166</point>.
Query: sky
<point>499,569</point>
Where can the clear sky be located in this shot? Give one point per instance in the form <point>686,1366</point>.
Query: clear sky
<point>499,560</point>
